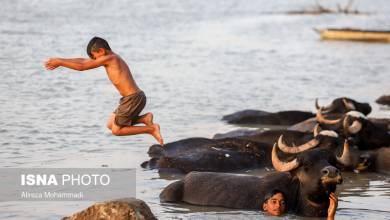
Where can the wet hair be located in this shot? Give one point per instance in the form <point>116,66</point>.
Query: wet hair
<point>95,44</point>
<point>272,193</point>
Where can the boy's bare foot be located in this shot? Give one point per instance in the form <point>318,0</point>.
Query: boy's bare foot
<point>149,119</point>
<point>156,134</point>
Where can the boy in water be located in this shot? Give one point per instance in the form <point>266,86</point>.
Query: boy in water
<point>133,100</point>
<point>275,204</point>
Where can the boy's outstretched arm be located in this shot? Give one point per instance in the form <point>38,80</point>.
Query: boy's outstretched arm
<point>79,64</point>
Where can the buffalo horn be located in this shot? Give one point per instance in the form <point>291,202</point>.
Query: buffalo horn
<point>345,157</point>
<point>316,130</point>
<point>354,128</point>
<point>280,165</point>
<point>348,105</point>
<point>320,118</point>
<point>325,109</point>
<point>296,149</point>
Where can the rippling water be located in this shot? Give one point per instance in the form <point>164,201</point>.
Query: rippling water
<point>196,61</point>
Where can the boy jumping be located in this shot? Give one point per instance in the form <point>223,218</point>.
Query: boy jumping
<point>123,119</point>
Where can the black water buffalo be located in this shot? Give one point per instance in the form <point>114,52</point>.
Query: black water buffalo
<point>271,136</point>
<point>238,133</point>
<point>286,118</point>
<point>336,109</point>
<point>383,100</point>
<point>256,117</point>
<point>317,138</point>
<point>309,124</point>
<point>203,154</point>
<point>384,123</point>
<point>306,181</point>
<point>376,160</point>
<point>233,154</point>
<point>343,105</point>
<point>366,134</point>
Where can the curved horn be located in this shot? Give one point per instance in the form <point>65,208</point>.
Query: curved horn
<point>317,105</point>
<point>348,105</point>
<point>325,109</point>
<point>294,150</point>
<point>282,166</point>
<point>354,128</point>
<point>345,158</point>
<point>320,118</point>
<point>316,130</point>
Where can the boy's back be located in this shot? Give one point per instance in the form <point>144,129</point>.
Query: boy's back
<point>119,74</point>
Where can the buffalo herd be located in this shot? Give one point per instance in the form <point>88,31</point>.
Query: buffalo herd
<point>304,159</point>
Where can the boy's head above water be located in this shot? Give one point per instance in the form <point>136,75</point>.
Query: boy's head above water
<point>274,203</point>
<point>97,47</point>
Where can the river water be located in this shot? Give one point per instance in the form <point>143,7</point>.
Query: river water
<point>196,61</point>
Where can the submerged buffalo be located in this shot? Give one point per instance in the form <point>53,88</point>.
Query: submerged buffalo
<point>306,181</point>
<point>309,124</point>
<point>234,154</point>
<point>336,109</point>
<point>366,134</point>
<point>376,160</point>
<point>272,136</point>
<point>383,100</point>
<point>257,117</point>
<point>343,105</point>
<point>203,154</point>
<point>287,118</point>
<point>299,140</point>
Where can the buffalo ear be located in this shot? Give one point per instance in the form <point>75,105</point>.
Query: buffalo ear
<point>150,164</point>
<point>145,164</point>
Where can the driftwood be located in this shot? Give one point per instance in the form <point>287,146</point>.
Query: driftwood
<point>318,9</point>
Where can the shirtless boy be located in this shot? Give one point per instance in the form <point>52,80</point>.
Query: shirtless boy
<point>274,204</point>
<point>133,100</point>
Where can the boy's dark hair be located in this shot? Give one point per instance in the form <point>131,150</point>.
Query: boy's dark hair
<point>272,193</point>
<point>95,44</point>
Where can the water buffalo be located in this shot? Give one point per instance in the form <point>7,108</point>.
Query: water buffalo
<point>343,105</point>
<point>308,125</point>
<point>286,118</point>
<point>384,123</point>
<point>376,160</point>
<point>203,154</point>
<point>306,181</point>
<point>336,109</point>
<point>293,138</point>
<point>327,140</point>
<point>383,100</point>
<point>256,117</point>
<point>238,133</point>
<point>233,154</point>
<point>366,134</point>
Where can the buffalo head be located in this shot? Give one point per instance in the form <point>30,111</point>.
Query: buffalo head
<point>344,105</point>
<point>353,124</point>
<point>317,175</point>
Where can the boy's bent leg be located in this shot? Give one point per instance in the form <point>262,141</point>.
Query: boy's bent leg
<point>153,130</point>
<point>130,130</point>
